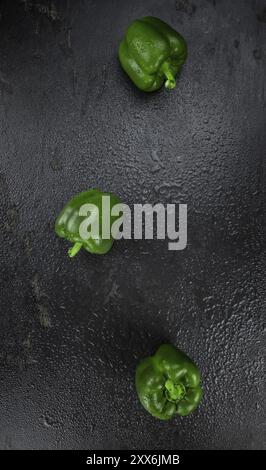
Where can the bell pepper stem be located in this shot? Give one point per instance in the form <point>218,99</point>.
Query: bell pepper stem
<point>175,392</point>
<point>170,78</point>
<point>74,249</point>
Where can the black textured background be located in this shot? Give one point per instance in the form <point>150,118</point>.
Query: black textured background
<point>72,331</point>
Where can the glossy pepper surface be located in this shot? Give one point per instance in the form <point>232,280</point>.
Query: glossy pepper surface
<point>152,53</point>
<point>69,221</point>
<point>168,383</point>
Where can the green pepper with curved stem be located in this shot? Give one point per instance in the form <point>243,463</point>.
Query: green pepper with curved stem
<point>152,53</point>
<point>76,211</point>
<point>168,383</point>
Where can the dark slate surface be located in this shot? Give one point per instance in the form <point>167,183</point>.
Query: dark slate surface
<point>72,331</point>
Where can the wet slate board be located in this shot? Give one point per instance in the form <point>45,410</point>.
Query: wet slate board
<point>72,331</point>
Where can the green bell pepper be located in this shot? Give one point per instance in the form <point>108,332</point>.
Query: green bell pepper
<point>69,221</point>
<point>152,53</point>
<point>168,383</point>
